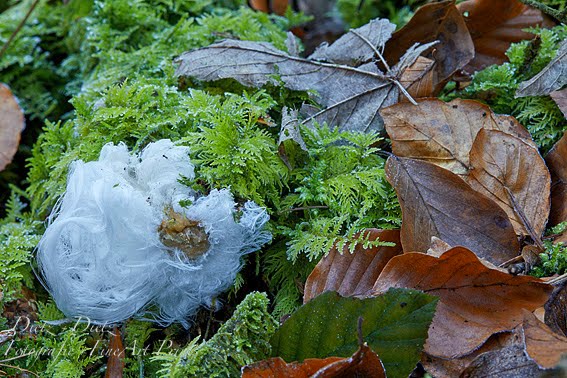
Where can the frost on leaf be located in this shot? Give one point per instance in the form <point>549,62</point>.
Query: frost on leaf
<point>350,96</point>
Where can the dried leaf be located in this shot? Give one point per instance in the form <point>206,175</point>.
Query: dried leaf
<point>475,301</point>
<point>556,310</point>
<point>351,97</point>
<point>556,161</point>
<point>440,367</point>
<point>436,202</point>
<point>543,345</point>
<point>290,128</point>
<point>435,22</point>
<point>276,367</point>
<point>115,364</point>
<point>358,45</point>
<point>560,98</point>
<point>438,247</point>
<point>418,79</point>
<point>510,361</point>
<point>292,44</point>
<point>352,274</point>
<point>11,125</point>
<point>513,174</point>
<point>395,326</point>
<point>443,133</point>
<point>551,78</point>
<point>364,363</point>
<point>495,25</point>
<point>269,6</point>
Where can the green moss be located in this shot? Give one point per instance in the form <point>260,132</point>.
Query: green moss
<point>358,12</point>
<point>497,85</point>
<point>18,236</point>
<point>554,259</point>
<point>243,339</point>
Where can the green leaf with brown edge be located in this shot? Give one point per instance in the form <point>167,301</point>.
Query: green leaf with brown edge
<point>395,326</point>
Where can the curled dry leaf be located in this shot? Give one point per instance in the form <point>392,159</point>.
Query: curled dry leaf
<point>551,78</point>
<point>508,361</point>
<point>11,125</point>
<point>290,128</point>
<point>475,301</point>
<point>560,98</point>
<point>276,367</point>
<point>435,22</point>
<point>352,274</point>
<point>513,174</point>
<point>556,161</point>
<point>444,368</point>
<point>437,202</point>
<point>364,363</point>
<point>350,96</point>
<point>543,345</point>
<point>443,133</point>
<point>418,79</point>
<point>495,25</point>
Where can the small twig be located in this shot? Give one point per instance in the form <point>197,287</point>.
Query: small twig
<point>379,55</point>
<point>359,329</point>
<point>524,219</point>
<point>514,260</point>
<point>18,28</point>
<point>558,15</point>
<point>558,280</point>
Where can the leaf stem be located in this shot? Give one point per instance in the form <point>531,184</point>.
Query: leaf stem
<point>560,16</point>
<point>18,28</point>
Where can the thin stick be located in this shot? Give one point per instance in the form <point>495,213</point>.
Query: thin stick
<point>379,55</point>
<point>524,219</point>
<point>560,16</point>
<point>17,30</point>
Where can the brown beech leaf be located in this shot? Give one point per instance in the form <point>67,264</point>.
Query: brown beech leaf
<point>507,361</point>
<point>435,22</point>
<point>556,161</point>
<point>437,202</point>
<point>440,367</point>
<point>543,345</point>
<point>476,301</point>
<point>363,363</point>
<point>560,98</point>
<point>494,25</point>
<point>352,274</point>
<point>11,125</point>
<point>418,79</point>
<point>277,368</point>
<point>115,364</point>
<point>513,174</point>
<point>443,133</point>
